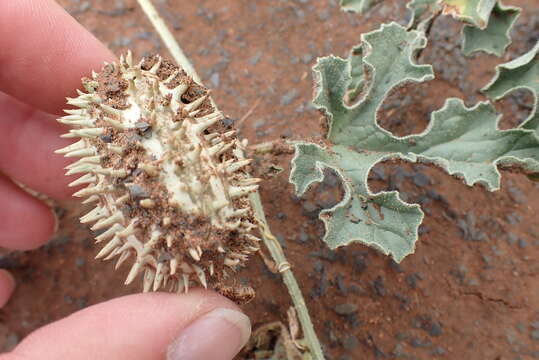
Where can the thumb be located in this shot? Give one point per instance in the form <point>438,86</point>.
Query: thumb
<point>198,325</point>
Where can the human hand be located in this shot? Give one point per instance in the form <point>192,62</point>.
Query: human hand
<point>44,54</point>
<point>200,325</point>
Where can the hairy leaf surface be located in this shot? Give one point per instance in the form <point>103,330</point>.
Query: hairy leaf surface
<point>495,38</point>
<point>359,6</point>
<point>465,142</point>
<point>475,12</point>
<point>422,10</point>
<point>520,73</point>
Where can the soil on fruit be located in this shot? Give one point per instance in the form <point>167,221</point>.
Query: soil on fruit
<point>470,291</point>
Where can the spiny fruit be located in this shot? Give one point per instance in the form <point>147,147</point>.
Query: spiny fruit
<point>166,174</point>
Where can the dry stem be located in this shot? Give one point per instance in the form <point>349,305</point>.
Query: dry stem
<point>167,37</point>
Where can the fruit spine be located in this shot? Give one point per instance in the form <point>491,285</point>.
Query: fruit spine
<point>166,174</point>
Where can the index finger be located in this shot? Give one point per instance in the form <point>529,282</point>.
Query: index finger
<point>44,53</point>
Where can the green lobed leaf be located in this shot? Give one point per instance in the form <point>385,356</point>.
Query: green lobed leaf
<point>418,8</point>
<point>520,73</point>
<point>359,6</point>
<point>356,72</point>
<point>489,22</point>
<point>379,220</point>
<point>495,38</point>
<point>465,142</point>
<point>387,62</point>
<point>475,12</point>
<point>421,11</point>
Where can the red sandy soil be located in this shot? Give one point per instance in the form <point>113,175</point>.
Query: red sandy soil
<point>471,290</point>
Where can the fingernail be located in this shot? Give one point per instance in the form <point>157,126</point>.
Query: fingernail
<point>218,335</point>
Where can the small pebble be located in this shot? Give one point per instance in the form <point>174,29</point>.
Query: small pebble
<point>418,343</point>
<point>106,138</point>
<point>346,309</point>
<point>350,342</point>
<point>289,97</point>
<point>359,264</point>
<point>324,15</point>
<point>84,6</point>
<point>137,191</point>
<point>256,58</point>
<point>435,329</point>
<point>341,285</point>
<point>379,287</point>
<point>512,238</point>
<point>411,280</point>
<point>80,262</point>
<point>281,240</point>
<point>356,289</point>
<point>303,236</point>
<point>318,266</point>
<point>307,58</point>
<point>438,351</point>
<point>12,340</point>
<point>421,180</point>
<point>401,336</point>
<point>227,121</point>
<point>214,79</point>
<point>82,302</point>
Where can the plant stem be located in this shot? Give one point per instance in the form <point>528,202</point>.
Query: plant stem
<point>269,239</point>
<point>169,40</point>
<point>290,281</point>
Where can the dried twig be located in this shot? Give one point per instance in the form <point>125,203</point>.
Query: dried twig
<point>248,113</point>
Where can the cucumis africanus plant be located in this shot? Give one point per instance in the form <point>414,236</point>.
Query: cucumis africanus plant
<point>488,22</point>
<point>464,141</point>
<point>172,190</point>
